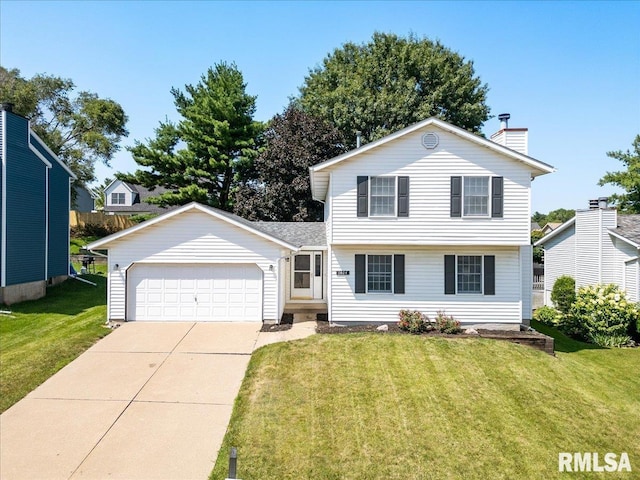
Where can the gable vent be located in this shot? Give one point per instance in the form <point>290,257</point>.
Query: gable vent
<point>430,140</point>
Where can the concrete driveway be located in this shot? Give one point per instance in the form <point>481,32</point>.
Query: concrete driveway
<point>149,401</point>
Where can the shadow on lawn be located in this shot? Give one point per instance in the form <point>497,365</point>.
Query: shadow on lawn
<point>562,342</point>
<point>69,298</point>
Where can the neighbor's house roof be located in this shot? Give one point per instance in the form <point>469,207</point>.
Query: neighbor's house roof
<point>628,230</point>
<point>141,205</point>
<point>291,235</point>
<point>319,189</point>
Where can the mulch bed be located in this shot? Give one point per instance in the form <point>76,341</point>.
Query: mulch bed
<point>530,338</point>
<point>285,324</point>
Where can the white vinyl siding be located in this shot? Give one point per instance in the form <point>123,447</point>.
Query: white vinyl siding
<point>194,237</point>
<point>559,259</point>
<point>526,273</point>
<point>424,287</point>
<point>430,173</point>
<point>631,280</point>
<point>475,196</point>
<point>382,196</point>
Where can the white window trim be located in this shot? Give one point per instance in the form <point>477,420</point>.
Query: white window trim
<point>366,277</point>
<point>481,292</point>
<point>124,198</point>
<point>395,197</point>
<point>489,197</point>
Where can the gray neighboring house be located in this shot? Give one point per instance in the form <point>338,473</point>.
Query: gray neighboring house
<point>85,201</point>
<point>124,198</point>
<point>596,246</point>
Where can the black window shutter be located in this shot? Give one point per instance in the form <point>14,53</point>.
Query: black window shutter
<point>398,274</point>
<point>361,273</point>
<point>403,196</point>
<point>449,274</point>
<point>489,275</point>
<point>456,196</point>
<point>363,196</point>
<point>497,197</point>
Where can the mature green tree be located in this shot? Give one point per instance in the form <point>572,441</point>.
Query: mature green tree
<point>391,82</point>
<point>294,141</point>
<point>628,180</point>
<point>80,129</point>
<point>538,252</point>
<point>560,215</point>
<point>203,157</point>
<point>539,218</point>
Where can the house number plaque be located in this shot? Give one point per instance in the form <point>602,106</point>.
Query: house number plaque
<point>342,272</point>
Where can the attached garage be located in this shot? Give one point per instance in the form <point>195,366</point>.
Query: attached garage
<point>204,293</point>
<point>195,263</point>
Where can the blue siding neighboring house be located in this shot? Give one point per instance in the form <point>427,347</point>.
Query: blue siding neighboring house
<point>34,212</point>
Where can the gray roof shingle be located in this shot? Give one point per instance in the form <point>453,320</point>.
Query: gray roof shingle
<point>629,227</point>
<point>311,234</point>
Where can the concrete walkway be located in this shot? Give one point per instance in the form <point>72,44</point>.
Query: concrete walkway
<point>149,401</point>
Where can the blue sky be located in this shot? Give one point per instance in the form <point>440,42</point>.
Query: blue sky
<point>569,71</point>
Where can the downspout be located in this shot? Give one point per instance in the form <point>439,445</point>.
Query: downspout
<point>599,245</point>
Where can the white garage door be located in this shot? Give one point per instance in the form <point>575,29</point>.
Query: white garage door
<point>206,293</point>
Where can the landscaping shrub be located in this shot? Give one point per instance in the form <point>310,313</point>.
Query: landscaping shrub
<point>564,293</point>
<point>93,230</point>
<point>549,316</point>
<point>602,314</point>
<point>415,322</point>
<point>447,324</point>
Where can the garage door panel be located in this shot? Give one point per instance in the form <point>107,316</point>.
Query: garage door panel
<point>194,292</point>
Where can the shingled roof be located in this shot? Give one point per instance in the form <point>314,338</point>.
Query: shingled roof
<point>629,227</point>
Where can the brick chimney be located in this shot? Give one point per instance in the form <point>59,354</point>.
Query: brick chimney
<point>514,138</point>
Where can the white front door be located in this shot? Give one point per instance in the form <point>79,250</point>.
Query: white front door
<point>306,276</point>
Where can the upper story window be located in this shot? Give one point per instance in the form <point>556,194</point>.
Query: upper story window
<point>117,198</point>
<point>477,196</point>
<point>382,200</point>
<point>475,200</point>
<point>383,196</point>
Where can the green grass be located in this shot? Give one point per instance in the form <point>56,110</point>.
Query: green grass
<point>371,406</point>
<point>79,242</point>
<point>42,336</point>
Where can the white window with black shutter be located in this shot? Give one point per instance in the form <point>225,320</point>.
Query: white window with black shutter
<point>470,274</point>
<point>379,273</point>
<point>382,196</point>
<point>477,196</point>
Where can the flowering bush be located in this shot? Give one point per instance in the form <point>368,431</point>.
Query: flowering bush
<point>549,316</point>
<point>602,311</point>
<point>446,323</point>
<point>414,321</point>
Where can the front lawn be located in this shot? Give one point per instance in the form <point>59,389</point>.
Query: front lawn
<point>40,337</point>
<point>383,406</point>
<point>78,243</point>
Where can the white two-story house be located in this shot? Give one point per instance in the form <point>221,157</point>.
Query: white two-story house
<point>432,218</point>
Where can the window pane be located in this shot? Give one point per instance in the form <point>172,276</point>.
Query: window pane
<point>476,195</point>
<point>302,262</point>
<point>469,274</point>
<point>383,195</point>
<point>301,280</point>
<point>379,269</point>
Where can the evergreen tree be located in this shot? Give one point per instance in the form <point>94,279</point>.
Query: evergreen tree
<point>203,156</point>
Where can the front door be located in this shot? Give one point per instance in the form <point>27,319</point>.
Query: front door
<point>306,276</point>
